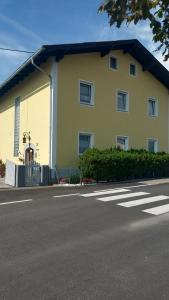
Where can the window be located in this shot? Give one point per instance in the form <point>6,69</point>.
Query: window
<point>85,142</point>
<point>122,101</point>
<point>113,63</point>
<point>152,145</point>
<point>86,93</point>
<point>133,69</point>
<point>152,108</point>
<point>122,142</point>
<point>16,126</point>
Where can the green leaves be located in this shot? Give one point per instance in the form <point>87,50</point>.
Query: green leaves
<point>113,164</point>
<point>154,11</point>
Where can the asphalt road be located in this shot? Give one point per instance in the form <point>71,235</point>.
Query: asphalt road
<point>80,248</point>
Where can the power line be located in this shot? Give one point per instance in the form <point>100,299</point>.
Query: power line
<point>16,50</point>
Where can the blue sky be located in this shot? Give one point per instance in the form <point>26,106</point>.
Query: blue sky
<point>29,24</point>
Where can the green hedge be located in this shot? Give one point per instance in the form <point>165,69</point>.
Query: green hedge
<point>114,164</point>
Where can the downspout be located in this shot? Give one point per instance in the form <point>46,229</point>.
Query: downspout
<point>41,70</point>
<point>51,162</point>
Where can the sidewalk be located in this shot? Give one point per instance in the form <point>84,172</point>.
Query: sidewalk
<point>152,182</point>
<point>3,185</point>
<point>156,181</point>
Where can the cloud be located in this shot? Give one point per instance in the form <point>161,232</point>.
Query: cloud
<point>141,32</point>
<point>15,36</point>
<point>10,61</point>
<point>19,27</point>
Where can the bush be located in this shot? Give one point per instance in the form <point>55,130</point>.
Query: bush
<point>114,164</point>
<point>2,169</point>
<point>74,179</point>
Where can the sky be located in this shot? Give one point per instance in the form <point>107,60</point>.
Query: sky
<point>27,25</point>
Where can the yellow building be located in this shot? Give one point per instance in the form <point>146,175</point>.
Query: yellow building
<point>66,98</point>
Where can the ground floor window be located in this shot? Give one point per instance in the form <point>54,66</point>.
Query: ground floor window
<point>122,142</point>
<point>152,145</point>
<point>85,142</point>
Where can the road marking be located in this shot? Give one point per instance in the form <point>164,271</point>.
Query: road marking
<point>136,186</point>
<point>123,187</point>
<point>15,202</point>
<point>119,197</point>
<point>67,195</point>
<point>143,201</point>
<point>114,191</point>
<point>158,210</point>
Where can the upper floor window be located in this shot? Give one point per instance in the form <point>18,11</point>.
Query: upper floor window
<point>85,142</point>
<point>86,93</point>
<point>122,142</point>
<point>133,69</point>
<point>122,101</point>
<point>16,126</point>
<point>152,145</point>
<point>113,63</point>
<point>152,108</point>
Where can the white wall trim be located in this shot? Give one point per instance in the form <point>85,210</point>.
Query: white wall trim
<point>17,97</point>
<point>53,115</point>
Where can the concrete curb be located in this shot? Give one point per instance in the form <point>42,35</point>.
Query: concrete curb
<point>73,186</point>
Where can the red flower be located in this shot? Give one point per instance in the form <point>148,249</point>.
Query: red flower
<point>88,180</point>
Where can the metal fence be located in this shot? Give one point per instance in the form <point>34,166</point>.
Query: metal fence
<point>32,174</point>
<point>66,173</point>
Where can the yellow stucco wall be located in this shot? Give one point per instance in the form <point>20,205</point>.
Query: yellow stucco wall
<point>102,119</point>
<point>34,93</point>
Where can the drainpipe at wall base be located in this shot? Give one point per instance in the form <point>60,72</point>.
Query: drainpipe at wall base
<point>52,160</point>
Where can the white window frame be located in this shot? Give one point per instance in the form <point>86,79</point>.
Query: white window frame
<point>156,144</point>
<point>91,140</point>
<point>131,63</point>
<point>92,92</point>
<point>126,139</point>
<point>127,101</point>
<point>156,101</point>
<point>113,56</point>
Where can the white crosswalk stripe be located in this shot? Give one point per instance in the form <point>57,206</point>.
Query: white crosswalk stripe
<point>106,192</point>
<point>158,210</point>
<point>115,194</point>
<point>124,196</point>
<point>143,201</point>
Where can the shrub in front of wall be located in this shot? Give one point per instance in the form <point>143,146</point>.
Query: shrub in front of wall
<point>2,169</point>
<point>115,165</point>
<point>75,179</point>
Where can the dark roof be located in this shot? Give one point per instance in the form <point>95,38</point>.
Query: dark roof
<point>134,47</point>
